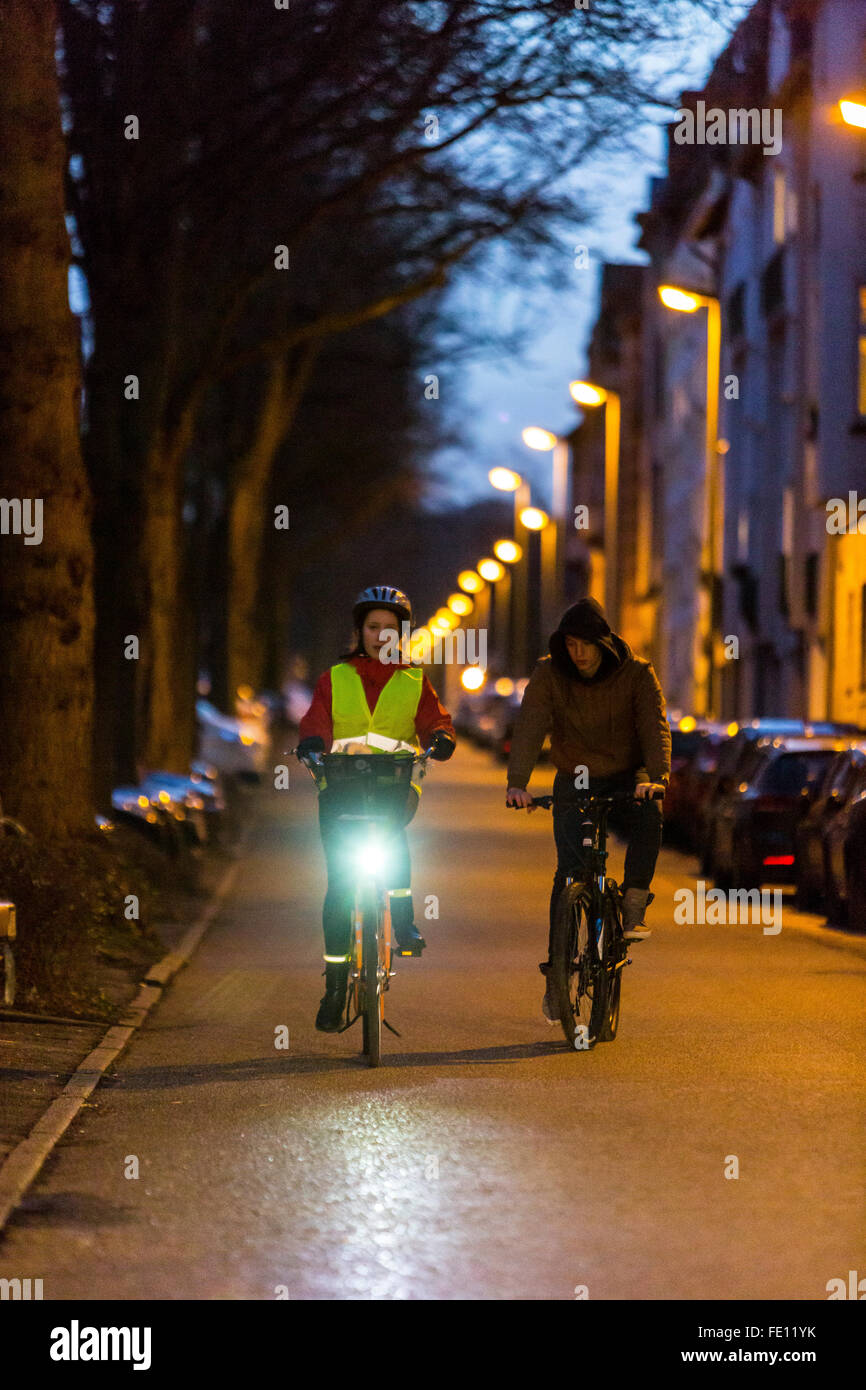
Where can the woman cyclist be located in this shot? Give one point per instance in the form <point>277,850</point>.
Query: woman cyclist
<point>373,701</point>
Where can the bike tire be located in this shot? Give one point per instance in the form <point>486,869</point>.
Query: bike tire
<point>579,980</point>
<point>614,958</point>
<point>372,982</point>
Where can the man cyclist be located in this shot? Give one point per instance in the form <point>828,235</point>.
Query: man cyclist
<point>605,711</point>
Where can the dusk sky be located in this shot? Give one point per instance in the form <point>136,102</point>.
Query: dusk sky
<point>490,401</point>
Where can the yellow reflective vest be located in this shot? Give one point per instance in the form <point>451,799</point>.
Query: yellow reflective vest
<point>391,726</point>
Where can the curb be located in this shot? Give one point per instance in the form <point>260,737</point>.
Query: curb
<point>24,1162</point>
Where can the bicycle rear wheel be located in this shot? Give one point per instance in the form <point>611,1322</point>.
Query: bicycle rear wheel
<point>577,972</point>
<point>372,983</point>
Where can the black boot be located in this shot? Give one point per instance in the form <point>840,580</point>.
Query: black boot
<point>406,934</point>
<point>330,1016</point>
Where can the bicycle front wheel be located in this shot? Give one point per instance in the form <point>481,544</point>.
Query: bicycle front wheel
<point>576,970</point>
<point>373,983</point>
<point>614,962</point>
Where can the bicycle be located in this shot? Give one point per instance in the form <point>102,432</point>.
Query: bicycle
<point>379,784</point>
<point>587,950</point>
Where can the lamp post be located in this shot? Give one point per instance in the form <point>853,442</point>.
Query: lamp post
<point>510,553</point>
<point>506,480</point>
<point>553,541</point>
<point>712,538</point>
<point>585,393</point>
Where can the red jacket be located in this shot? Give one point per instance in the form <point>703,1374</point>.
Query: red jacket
<point>430,715</point>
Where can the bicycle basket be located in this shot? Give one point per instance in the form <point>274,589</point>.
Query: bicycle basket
<point>376,784</point>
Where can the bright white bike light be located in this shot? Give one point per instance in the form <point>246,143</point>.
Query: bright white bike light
<point>371,857</point>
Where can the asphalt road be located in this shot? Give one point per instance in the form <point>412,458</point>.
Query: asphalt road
<point>484,1160</point>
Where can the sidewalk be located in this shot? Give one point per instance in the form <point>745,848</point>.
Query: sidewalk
<point>39,1055</point>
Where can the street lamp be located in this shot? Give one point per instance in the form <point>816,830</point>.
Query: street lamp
<point>553,546</point>
<point>505,479</point>
<point>585,393</point>
<point>491,570</point>
<point>460,604</point>
<point>713,539</point>
<point>470,582</point>
<point>534,519</point>
<point>536,438</point>
<point>853,110</point>
<point>509,551</point>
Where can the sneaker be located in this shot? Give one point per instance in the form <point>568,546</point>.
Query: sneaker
<point>635,902</point>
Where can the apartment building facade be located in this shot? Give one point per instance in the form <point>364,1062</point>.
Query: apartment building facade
<point>752,599</point>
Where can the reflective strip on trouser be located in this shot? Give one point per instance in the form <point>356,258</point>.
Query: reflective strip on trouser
<point>392,722</point>
<point>402,908</point>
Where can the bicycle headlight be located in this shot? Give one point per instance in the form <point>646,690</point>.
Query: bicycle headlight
<point>370,857</point>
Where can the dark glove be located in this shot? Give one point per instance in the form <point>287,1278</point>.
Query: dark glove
<point>314,744</point>
<point>443,746</point>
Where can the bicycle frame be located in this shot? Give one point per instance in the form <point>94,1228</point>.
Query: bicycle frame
<point>595,970</point>
<point>371,950</point>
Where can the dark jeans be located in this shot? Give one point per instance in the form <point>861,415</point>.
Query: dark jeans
<point>640,825</point>
<point>340,841</point>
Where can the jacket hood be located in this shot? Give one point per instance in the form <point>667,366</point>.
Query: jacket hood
<point>585,619</point>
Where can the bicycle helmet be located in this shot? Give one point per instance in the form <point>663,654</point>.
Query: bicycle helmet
<point>381,596</point>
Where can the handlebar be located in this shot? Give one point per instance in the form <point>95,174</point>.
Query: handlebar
<point>619,798</point>
<point>315,762</point>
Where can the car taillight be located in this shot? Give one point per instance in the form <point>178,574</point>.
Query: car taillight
<point>778,859</point>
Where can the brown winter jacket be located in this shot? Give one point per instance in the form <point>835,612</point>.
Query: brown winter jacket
<point>614,724</point>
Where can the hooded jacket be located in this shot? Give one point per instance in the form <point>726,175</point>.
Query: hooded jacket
<point>611,722</point>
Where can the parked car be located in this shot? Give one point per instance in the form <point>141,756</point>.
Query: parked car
<point>845,851</point>
<point>236,747</point>
<point>689,737</point>
<point>733,756</point>
<point>809,841</point>
<point>197,804</point>
<point>756,820</point>
<point>695,781</point>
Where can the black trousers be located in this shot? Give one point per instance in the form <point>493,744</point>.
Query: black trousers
<point>340,842</point>
<point>640,825</point>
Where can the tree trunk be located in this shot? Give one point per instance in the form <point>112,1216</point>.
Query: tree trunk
<point>46,595</point>
<point>108,451</point>
<point>167,686</point>
<point>248,517</point>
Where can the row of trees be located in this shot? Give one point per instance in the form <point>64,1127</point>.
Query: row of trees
<point>263,205</point>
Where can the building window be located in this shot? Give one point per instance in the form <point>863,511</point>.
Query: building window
<point>861,347</point>
<point>773,283</point>
<point>737,311</point>
<point>778,207</point>
<point>811,584</point>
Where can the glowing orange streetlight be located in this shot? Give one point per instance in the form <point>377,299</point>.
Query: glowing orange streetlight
<point>536,438</point>
<point>470,582</point>
<point>853,110</point>
<point>509,551</point>
<point>491,570</point>
<point>460,604</point>
<point>534,519</point>
<point>505,479</point>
